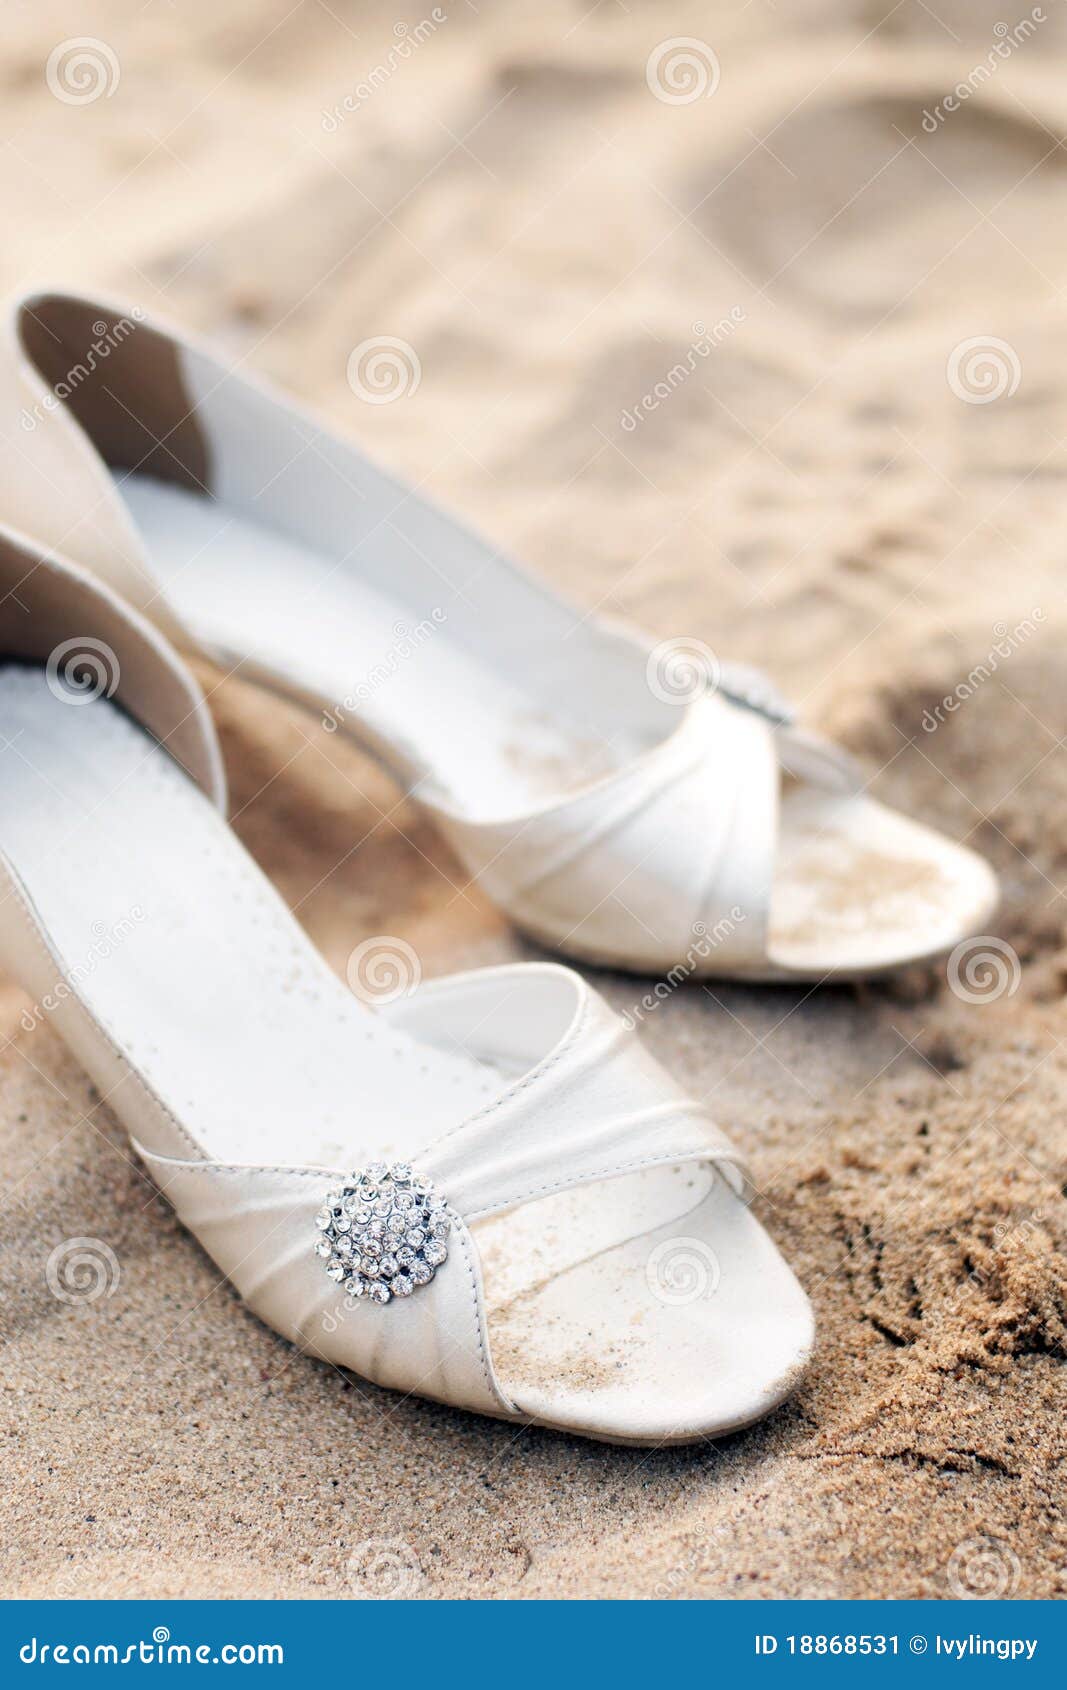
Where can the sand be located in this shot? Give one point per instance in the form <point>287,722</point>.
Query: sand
<point>828,490</point>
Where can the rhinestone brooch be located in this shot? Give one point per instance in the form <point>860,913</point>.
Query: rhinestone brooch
<point>754,690</point>
<point>383,1233</point>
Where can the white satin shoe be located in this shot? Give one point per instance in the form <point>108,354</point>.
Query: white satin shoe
<point>486,1193</point>
<point>615,809</point>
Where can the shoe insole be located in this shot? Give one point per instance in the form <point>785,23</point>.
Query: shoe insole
<point>856,887</point>
<point>317,629</point>
<point>198,973</point>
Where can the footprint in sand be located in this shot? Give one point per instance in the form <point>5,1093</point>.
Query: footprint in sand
<point>856,212</point>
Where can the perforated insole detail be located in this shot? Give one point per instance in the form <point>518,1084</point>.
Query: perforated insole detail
<point>191,960</point>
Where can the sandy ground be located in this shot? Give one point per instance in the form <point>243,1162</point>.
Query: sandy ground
<point>832,492</point>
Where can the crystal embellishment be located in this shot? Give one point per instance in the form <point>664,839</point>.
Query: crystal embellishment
<point>383,1232</point>
<point>754,690</point>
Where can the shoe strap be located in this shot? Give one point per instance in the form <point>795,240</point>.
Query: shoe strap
<point>598,1105</point>
<point>676,845</point>
<point>670,857</point>
<point>804,755</point>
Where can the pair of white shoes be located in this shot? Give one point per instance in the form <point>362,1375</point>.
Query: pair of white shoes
<point>486,1192</point>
